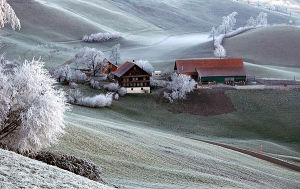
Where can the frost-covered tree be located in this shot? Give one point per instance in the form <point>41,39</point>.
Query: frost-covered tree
<point>62,73</point>
<point>251,22</point>
<point>78,76</point>
<point>213,33</point>
<point>8,16</point>
<point>228,23</point>
<point>91,58</point>
<point>145,65</point>
<point>220,51</point>
<point>179,86</point>
<point>115,54</point>
<point>101,37</point>
<point>262,19</point>
<point>33,117</point>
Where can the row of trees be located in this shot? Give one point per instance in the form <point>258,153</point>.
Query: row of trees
<point>227,29</point>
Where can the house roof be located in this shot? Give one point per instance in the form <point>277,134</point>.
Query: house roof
<point>123,69</point>
<point>108,62</point>
<point>212,67</point>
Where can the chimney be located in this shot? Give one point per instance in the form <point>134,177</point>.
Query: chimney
<point>181,67</point>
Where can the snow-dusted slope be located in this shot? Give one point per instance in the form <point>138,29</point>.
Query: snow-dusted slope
<point>17,171</point>
<point>133,155</point>
<point>53,29</point>
<point>277,46</point>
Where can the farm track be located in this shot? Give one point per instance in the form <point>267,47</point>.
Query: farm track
<point>254,154</point>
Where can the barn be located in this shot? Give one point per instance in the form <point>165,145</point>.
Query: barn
<point>205,71</point>
<point>133,78</point>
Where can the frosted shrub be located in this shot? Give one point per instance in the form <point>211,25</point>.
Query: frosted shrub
<point>145,65</point>
<point>62,73</point>
<point>101,37</point>
<point>8,16</point>
<point>122,91</point>
<point>98,101</point>
<point>95,84</point>
<point>116,96</point>
<point>78,76</point>
<point>179,87</point>
<point>113,87</point>
<point>32,117</point>
<point>74,96</point>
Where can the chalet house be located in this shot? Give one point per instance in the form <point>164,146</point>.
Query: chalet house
<point>133,78</point>
<point>229,70</point>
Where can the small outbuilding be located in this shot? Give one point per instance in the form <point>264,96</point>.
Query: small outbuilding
<point>228,70</point>
<point>133,78</point>
<point>110,67</point>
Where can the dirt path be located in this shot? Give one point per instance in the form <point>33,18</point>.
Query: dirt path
<point>254,154</point>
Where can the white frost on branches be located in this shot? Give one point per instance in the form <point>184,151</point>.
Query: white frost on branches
<point>115,54</point>
<point>225,30</point>
<point>33,117</point>
<point>8,16</point>
<point>145,65</point>
<point>228,24</point>
<point>62,73</point>
<point>113,87</point>
<point>220,52</point>
<point>179,87</point>
<point>122,91</point>
<point>98,101</point>
<point>78,76</point>
<point>91,58</point>
<point>262,19</point>
<point>101,37</point>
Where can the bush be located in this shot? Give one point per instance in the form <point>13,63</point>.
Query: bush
<point>98,101</point>
<point>101,37</point>
<point>113,87</point>
<point>122,91</point>
<point>70,163</point>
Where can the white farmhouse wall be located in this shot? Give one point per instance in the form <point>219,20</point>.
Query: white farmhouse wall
<point>138,90</point>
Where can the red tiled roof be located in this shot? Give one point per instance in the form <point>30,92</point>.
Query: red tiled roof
<point>123,69</point>
<point>212,67</point>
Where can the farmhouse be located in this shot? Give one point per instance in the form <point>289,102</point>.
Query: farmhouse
<point>213,70</point>
<point>133,78</point>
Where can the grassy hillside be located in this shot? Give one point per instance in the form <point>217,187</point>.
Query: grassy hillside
<point>140,144</point>
<point>276,46</point>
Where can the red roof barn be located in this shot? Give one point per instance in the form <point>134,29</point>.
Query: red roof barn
<point>213,70</point>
